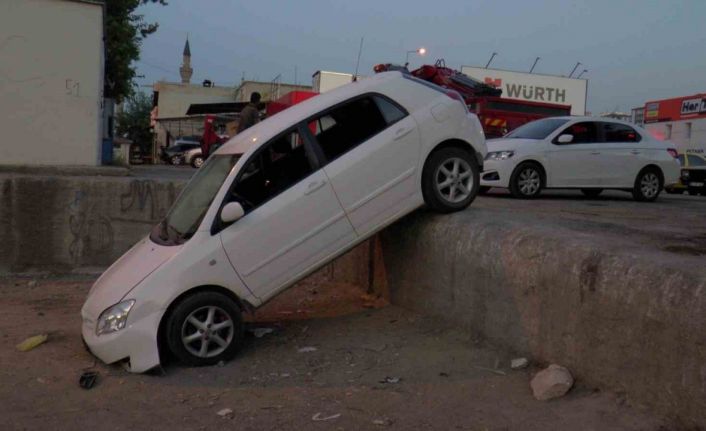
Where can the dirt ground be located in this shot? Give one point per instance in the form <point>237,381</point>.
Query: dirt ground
<point>373,368</point>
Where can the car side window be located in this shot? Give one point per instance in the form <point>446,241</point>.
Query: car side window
<point>583,133</point>
<point>695,160</point>
<point>614,132</point>
<point>347,126</point>
<point>276,167</point>
<point>391,112</point>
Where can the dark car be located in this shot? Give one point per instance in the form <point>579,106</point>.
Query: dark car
<point>182,153</point>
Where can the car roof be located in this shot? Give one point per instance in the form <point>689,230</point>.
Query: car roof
<point>589,118</point>
<point>270,127</point>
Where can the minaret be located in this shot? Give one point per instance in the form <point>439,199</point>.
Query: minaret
<point>185,70</point>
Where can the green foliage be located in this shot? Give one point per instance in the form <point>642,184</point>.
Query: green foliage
<point>134,121</point>
<point>124,33</point>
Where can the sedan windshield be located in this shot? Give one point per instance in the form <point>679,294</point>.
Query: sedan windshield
<point>187,212</point>
<point>539,129</point>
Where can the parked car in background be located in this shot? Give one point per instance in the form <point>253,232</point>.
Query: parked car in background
<point>690,163</point>
<point>277,202</point>
<point>182,153</point>
<point>586,153</point>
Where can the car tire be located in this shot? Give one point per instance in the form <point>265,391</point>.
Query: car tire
<point>527,181</point>
<point>648,185</point>
<point>197,161</point>
<point>591,193</point>
<point>450,180</point>
<point>191,325</point>
<point>483,190</point>
<point>175,160</point>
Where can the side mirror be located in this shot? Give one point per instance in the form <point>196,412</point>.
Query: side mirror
<point>565,138</point>
<point>232,212</point>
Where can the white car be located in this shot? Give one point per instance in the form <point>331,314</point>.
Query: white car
<point>586,153</point>
<point>274,204</point>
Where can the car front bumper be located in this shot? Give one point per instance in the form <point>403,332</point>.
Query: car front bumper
<point>136,343</point>
<point>496,173</point>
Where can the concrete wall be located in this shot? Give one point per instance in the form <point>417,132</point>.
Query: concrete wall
<point>626,322</point>
<point>51,81</point>
<point>66,223</point>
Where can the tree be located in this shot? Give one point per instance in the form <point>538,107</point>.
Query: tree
<point>134,121</point>
<point>125,31</point>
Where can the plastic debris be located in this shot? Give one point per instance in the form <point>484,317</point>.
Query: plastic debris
<point>261,332</point>
<point>88,379</point>
<point>32,342</point>
<point>225,413</point>
<point>317,417</point>
<point>519,363</point>
<point>391,380</point>
<point>307,349</point>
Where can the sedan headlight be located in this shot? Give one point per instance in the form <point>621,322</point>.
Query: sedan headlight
<point>114,318</point>
<point>499,155</point>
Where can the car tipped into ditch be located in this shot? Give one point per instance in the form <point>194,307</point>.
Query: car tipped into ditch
<point>274,204</point>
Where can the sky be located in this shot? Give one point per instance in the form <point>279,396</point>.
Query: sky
<point>634,51</point>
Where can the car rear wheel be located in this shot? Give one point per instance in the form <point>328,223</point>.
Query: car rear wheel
<point>175,160</point>
<point>591,193</point>
<point>197,161</point>
<point>204,329</point>
<point>648,185</point>
<point>527,181</point>
<point>450,180</point>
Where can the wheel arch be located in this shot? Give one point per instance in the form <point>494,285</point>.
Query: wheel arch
<point>656,168</point>
<point>535,162</point>
<point>161,341</point>
<point>456,143</point>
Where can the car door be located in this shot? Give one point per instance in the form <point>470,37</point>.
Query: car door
<point>371,148</point>
<point>622,153</point>
<point>578,163</point>
<point>292,220</point>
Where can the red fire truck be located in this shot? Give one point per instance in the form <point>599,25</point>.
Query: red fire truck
<point>498,115</point>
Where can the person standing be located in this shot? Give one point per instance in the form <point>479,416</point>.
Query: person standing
<point>250,115</point>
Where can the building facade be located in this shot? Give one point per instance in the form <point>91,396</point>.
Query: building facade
<point>51,82</point>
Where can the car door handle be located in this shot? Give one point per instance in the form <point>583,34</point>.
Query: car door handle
<point>595,153</point>
<point>314,186</point>
<point>634,152</point>
<point>402,132</point>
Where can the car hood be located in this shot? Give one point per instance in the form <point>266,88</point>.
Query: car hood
<point>126,273</point>
<point>505,144</point>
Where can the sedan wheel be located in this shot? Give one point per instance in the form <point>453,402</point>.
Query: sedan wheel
<point>450,179</point>
<point>175,160</point>
<point>204,328</point>
<point>197,161</point>
<point>648,185</point>
<point>527,180</point>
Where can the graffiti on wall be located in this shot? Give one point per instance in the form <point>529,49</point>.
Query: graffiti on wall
<point>142,195</point>
<point>91,233</point>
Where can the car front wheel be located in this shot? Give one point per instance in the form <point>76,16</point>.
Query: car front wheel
<point>175,160</point>
<point>450,180</point>
<point>527,181</point>
<point>197,161</point>
<point>648,185</point>
<point>204,329</point>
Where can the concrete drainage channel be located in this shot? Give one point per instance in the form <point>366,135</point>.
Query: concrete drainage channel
<point>618,319</point>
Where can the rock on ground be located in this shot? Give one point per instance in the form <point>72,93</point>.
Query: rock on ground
<point>552,382</point>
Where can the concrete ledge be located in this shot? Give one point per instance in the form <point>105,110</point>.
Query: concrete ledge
<point>106,171</point>
<point>619,320</point>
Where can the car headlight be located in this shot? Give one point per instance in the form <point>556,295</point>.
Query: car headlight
<point>499,155</point>
<point>114,318</point>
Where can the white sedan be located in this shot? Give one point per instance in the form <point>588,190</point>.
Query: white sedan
<point>586,153</point>
<point>274,204</point>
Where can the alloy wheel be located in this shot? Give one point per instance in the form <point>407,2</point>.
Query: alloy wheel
<point>207,332</point>
<point>454,180</point>
<point>649,185</point>
<point>529,181</point>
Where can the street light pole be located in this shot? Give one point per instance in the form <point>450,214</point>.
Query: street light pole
<point>535,63</point>
<point>491,59</point>
<point>581,74</point>
<point>574,69</point>
<point>420,51</point>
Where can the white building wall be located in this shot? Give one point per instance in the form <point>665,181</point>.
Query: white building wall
<point>678,133</point>
<point>51,82</point>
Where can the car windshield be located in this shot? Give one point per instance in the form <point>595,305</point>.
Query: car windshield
<point>186,214</point>
<point>539,129</point>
